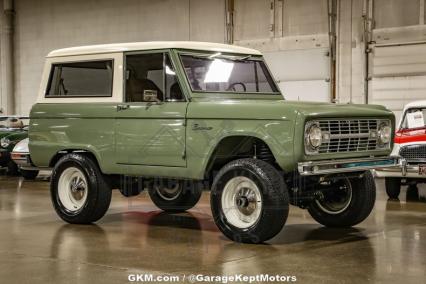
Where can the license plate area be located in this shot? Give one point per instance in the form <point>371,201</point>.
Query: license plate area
<point>422,170</point>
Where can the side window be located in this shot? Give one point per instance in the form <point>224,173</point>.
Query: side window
<point>151,78</point>
<point>81,79</point>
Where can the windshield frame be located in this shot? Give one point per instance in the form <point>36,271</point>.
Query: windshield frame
<point>404,117</point>
<point>230,56</point>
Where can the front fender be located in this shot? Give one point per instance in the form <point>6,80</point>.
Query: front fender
<point>203,140</point>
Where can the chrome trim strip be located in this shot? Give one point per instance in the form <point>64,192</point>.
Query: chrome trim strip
<point>344,166</point>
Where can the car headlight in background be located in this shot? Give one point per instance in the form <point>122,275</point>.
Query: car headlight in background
<point>384,133</point>
<point>4,142</point>
<point>22,146</point>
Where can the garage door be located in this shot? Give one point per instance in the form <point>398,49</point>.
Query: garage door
<point>302,74</point>
<point>398,75</point>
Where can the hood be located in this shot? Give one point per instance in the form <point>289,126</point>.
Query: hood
<point>4,133</point>
<point>280,109</point>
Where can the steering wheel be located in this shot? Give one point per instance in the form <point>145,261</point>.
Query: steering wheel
<point>232,86</point>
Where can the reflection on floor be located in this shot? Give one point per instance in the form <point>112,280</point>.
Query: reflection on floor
<point>135,237</point>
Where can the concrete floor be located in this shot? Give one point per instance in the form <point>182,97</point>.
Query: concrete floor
<point>135,237</point>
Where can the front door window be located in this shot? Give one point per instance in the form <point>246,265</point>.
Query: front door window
<point>151,78</point>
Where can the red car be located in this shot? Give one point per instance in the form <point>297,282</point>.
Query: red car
<point>410,146</point>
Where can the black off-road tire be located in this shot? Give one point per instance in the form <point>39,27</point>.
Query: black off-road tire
<point>360,206</point>
<point>98,193</point>
<point>188,196</point>
<point>393,187</point>
<point>28,174</point>
<point>274,195</point>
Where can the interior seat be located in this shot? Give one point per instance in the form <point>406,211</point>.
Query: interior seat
<point>135,88</point>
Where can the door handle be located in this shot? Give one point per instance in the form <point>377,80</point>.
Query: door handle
<point>123,107</point>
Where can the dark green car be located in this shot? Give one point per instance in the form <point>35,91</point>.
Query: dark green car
<point>12,130</point>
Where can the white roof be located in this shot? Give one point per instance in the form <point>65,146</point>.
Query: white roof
<point>415,104</point>
<point>124,47</point>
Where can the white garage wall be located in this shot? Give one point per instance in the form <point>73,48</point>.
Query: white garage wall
<point>302,74</point>
<point>398,75</point>
<point>44,25</point>
<point>296,46</point>
<point>301,25</point>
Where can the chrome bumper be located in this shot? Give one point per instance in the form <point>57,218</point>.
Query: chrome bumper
<point>346,166</point>
<point>404,170</point>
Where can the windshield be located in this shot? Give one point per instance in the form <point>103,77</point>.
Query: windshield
<point>414,118</point>
<point>235,75</point>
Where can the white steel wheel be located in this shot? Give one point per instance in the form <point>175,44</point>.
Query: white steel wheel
<point>72,189</point>
<point>241,202</point>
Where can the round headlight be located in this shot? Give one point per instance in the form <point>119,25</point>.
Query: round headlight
<point>385,134</point>
<point>4,142</point>
<point>315,136</point>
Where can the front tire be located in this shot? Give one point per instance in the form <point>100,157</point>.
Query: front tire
<point>347,202</point>
<point>79,191</point>
<point>393,187</point>
<point>249,201</point>
<point>175,195</point>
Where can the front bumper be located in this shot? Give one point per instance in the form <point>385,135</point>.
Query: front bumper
<point>346,165</point>
<point>404,170</point>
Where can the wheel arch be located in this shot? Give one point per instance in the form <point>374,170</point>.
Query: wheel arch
<point>233,147</point>
<point>59,154</point>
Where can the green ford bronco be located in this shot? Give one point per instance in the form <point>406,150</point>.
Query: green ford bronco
<point>177,117</point>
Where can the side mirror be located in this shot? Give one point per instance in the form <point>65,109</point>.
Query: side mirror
<point>150,96</point>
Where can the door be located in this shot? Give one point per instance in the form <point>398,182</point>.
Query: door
<point>303,75</point>
<point>398,75</point>
<point>150,123</point>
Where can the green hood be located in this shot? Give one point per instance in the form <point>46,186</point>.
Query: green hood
<point>280,109</point>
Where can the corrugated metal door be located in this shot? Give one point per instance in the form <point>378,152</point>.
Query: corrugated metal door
<point>398,75</point>
<point>302,74</point>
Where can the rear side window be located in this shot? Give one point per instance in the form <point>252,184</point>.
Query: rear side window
<point>81,79</point>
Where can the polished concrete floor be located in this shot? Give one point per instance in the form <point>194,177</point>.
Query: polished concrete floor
<point>135,237</point>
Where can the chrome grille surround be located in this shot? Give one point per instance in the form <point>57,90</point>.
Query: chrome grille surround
<point>413,153</point>
<point>347,135</point>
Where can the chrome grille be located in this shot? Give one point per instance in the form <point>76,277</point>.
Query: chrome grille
<point>413,152</point>
<point>358,135</point>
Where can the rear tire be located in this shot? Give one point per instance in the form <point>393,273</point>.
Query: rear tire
<point>355,209</point>
<point>393,187</point>
<point>79,191</point>
<point>249,201</point>
<point>29,175</point>
<point>175,195</point>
